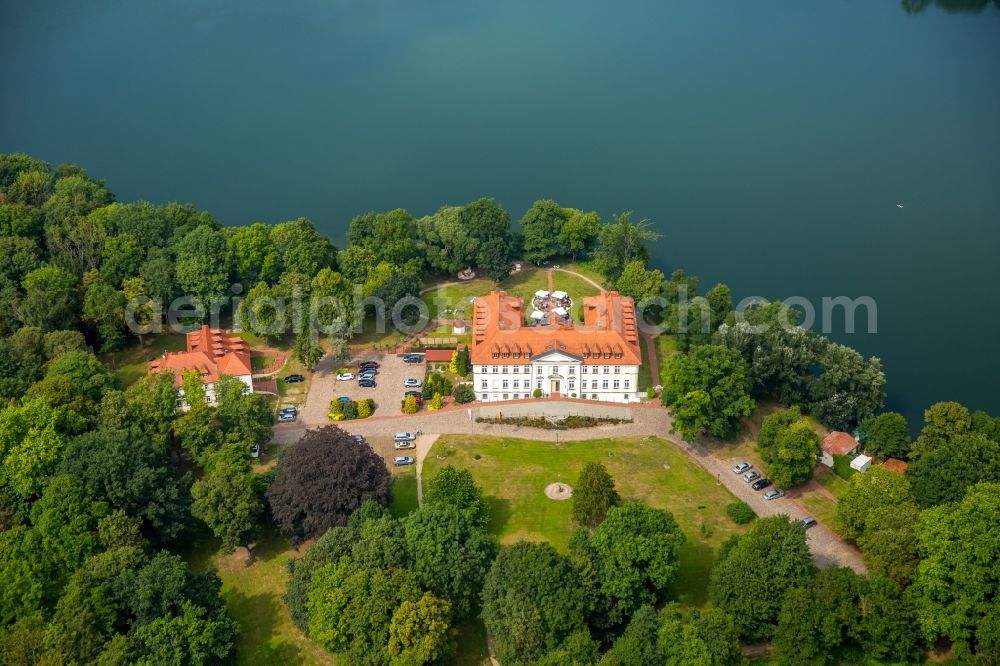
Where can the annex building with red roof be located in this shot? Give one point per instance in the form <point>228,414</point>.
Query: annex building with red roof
<point>596,360</point>
<point>838,443</point>
<point>212,353</point>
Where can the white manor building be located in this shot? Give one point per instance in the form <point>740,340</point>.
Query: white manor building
<point>598,360</point>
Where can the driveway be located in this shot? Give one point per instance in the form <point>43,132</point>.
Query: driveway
<point>387,394</point>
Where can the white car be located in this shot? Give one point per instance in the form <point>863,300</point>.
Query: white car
<point>345,377</point>
<point>741,467</point>
<point>405,445</point>
<point>411,382</point>
<point>404,437</point>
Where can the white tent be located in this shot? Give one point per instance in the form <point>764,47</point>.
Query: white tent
<point>560,311</point>
<point>537,315</point>
<point>861,463</point>
<point>559,295</point>
<point>541,293</point>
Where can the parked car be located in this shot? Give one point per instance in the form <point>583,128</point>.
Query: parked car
<point>760,484</point>
<point>289,410</point>
<point>345,377</point>
<point>773,494</point>
<point>751,476</point>
<point>405,445</point>
<point>343,398</point>
<point>413,358</point>
<point>368,364</point>
<point>359,439</point>
<point>410,382</point>
<point>808,522</point>
<point>404,437</point>
<point>286,417</point>
<point>399,461</point>
<point>739,468</point>
<point>367,383</point>
<point>367,371</point>
<point>255,451</point>
<point>415,394</point>
<point>294,379</point>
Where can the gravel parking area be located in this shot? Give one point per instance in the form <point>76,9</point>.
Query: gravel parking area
<point>387,394</point>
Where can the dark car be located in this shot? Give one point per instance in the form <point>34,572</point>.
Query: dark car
<point>367,383</point>
<point>294,379</point>
<point>359,439</point>
<point>760,484</point>
<point>364,365</point>
<point>367,371</point>
<point>415,394</point>
<point>413,358</point>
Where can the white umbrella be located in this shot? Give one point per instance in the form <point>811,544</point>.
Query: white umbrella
<point>559,295</point>
<point>537,315</point>
<point>541,293</point>
<point>560,311</point>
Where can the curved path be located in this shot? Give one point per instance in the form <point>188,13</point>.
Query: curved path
<point>826,546</point>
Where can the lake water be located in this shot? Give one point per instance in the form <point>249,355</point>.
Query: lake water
<point>770,142</point>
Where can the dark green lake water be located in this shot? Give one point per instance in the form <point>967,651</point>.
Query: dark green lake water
<point>769,141</point>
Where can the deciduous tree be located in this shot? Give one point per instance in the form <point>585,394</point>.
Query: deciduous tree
<point>708,390</point>
<point>594,495</point>
<point>456,488</point>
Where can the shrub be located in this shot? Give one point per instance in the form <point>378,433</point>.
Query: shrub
<point>435,383</point>
<point>464,393</point>
<point>436,403</point>
<point>537,393</point>
<point>650,392</point>
<point>410,405</point>
<point>365,408</point>
<point>350,410</point>
<point>336,410</point>
<point>740,512</point>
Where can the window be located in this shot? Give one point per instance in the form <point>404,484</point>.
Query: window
<point>517,354</point>
<point>626,384</point>
<point>496,355</point>
<point>539,384</point>
<point>572,385</point>
<point>618,354</point>
<point>504,385</point>
<point>593,396</point>
<point>527,369</point>
<point>604,384</point>
<point>539,369</point>
<point>504,370</point>
<point>484,384</point>
<point>616,387</point>
<point>484,397</point>
<point>607,368</point>
<point>583,369</point>
<point>495,369</point>
<point>618,369</point>
<point>517,396</point>
<point>572,369</point>
<point>505,354</point>
<point>505,396</point>
<point>517,369</point>
<point>527,354</point>
<point>555,369</point>
<point>607,354</point>
<point>586,354</point>
<point>517,384</point>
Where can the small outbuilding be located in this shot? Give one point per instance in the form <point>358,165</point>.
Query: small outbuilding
<point>861,463</point>
<point>838,443</point>
<point>895,465</point>
<point>458,327</point>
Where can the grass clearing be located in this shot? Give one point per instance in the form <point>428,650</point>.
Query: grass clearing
<point>372,338</point>
<point>645,376</point>
<point>253,596</point>
<point>132,363</point>
<point>666,347</point>
<point>513,474</point>
<point>404,492</point>
<point>821,507</point>
<point>262,362</point>
<point>826,478</point>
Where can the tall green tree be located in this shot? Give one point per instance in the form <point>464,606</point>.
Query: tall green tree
<point>942,472</point>
<point>707,390</point>
<point>579,233</point>
<point>228,500</point>
<point>848,389</point>
<point>887,435</point>
<point>419,632</point>
<point>594,495</point>
<point>792,458</point>
<point>754,571</point>
<point>622,241</point>
<point>456,488</point>
<point>956,582</point>
<point>541,227</point>
<point>818,618</point>
<point>50,300</point>
<point>202,268</point>
<point>875,489</point>
<point>489,225</point>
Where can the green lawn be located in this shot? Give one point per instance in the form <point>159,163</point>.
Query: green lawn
<point>666,347</point>
<point>253,596</point>
<point>404,492</point>
<point>830,481</point>
<point>371,338</point>
<point>258,363</point>
<point>842,467</point>
<point>454,301</point>
<point>513,474</point>
<point>645,373</point>
<point>131,363</point>
<point>820,506</point>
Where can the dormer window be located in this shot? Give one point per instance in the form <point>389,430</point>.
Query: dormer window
<point>586,354</point>
<point>496,354</point>
<point>618,355</point>
<point>527,354</point>
<point>607,355</point>
<point>505,354</point>
<point>517,354</point>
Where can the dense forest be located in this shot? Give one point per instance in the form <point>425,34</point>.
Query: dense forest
<point>103,487</point>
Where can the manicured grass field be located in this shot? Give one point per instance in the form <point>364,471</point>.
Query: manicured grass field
<point>131,363</point>
<point>666,346</point>
<point>830,481</point>
<point>513,474</point>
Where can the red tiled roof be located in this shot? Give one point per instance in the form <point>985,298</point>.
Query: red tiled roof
<point>895,465</point>
<point>210,351</point>
<point>839,443</point>
<point>609,328</point>
<point>438,355</point>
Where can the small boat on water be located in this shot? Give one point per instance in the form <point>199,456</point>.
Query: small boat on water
<point>899,205</point>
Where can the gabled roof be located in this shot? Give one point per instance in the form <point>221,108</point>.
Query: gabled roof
<point>895,465</point>
<point>211,352</point>
<point>839,443</point>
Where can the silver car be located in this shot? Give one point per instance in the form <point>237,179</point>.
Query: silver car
<point>399,461</point>
<point>773,494</point>
<point>751,476</point>
<point>739,468</point>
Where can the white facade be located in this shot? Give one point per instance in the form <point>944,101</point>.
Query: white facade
<point>210,399</point>
<point>557,372</point>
